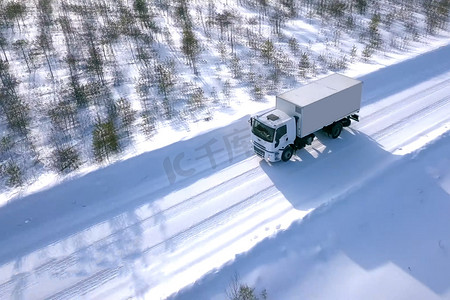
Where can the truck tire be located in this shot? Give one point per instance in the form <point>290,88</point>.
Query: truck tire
<point>299,143</point>
<point>346,122</point>
<point>335,130</point>
<point>287,153</point>
<point>309,139</point>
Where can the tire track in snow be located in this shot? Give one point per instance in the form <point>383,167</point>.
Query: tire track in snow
<point>219,234</point>
<point>402,103</point>
<point>221,217</point>
<point>86,285</point>
<point>14,286</point>
<point>411,118</point>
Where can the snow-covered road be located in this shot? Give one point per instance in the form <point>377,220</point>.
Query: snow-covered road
<point>154,224</point>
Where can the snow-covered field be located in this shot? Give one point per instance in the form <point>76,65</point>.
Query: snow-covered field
<point>361,217</point>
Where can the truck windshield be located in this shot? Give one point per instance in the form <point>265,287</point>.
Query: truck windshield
<point>263,131</point>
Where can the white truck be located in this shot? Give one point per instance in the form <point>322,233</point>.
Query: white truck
<point>326,104</point>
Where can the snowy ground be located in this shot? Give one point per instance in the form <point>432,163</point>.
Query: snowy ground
<point>154,224</point>
<point>387,239</point>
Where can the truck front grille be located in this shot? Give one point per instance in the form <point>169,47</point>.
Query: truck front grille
<point>258,151</point>
<point>259,145</point>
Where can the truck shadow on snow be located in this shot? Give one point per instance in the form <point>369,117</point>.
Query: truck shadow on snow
<point>327,169</point>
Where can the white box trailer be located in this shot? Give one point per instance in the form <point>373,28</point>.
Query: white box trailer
<point>329,103</point>
<point>322,102</point>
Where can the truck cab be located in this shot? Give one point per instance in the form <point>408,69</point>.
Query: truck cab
<point>272,133</point>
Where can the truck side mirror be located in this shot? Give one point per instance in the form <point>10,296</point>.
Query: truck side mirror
<point>251,122</point>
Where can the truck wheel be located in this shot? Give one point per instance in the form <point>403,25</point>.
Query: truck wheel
<point>299,143</point>
<point>346,122</point>
<point>287,153</point>
<point>336,130</point>
<point>309,139</point>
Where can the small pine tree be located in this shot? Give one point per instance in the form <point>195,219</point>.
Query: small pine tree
<point>66,159</point>
<point>437,14</point>
<point>166,78</point>
<point>267,50</point>
<point>361,6</point>
<point>236,67</point>
<point>6,144</point>
<point>3,43</point>
<point>140,6</point>
<point>197,98</point>
<point>337,8</point>
<point>45,12</point>
<point>78,92</point>
<point>18,117</point>
<point>190,46</point>
<point>21,45</point>
<point>353,52</point>
<point>148,123</point>
<point>127,115</point>
<point>304,64</point>
<point>246,293</point>
<point>293,45</point>
<point>105,140</point>
<point>374,34</point>
<point>15,10</point>
<point>367,52</point>
<point>14,174</point>
<point>63,115</point>
<point>95,62</point>
<point>239,291</point>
